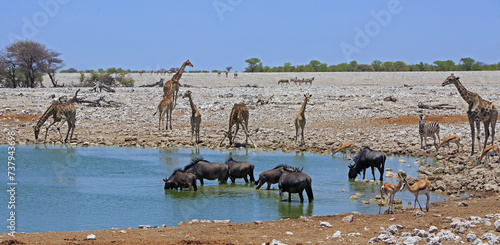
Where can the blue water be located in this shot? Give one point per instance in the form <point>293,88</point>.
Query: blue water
<point>62,188</point>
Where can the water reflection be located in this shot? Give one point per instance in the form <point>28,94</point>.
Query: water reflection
<point>106,181</point>
<point>294,209</point>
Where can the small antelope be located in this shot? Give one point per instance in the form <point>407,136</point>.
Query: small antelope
<point>390,190</point>
<point>283,81</point>
<point>421,187</point>
<point>344,148</point>
<point>489,150</point>
<point>447,140</point>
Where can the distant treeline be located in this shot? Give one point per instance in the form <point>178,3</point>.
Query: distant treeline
<point>255,65</point>
<point>465,64</point>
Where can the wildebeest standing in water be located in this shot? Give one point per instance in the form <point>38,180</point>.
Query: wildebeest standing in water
<point>292,180</point>
<point>240,170</point>
<point>270,176</point>
<point>208,170</point>
<point>367,158</point>
<point>181,179</point>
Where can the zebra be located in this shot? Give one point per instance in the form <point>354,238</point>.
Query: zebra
<point>425,130</point>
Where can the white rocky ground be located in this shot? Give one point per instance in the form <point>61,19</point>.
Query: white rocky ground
<point>344,107</point>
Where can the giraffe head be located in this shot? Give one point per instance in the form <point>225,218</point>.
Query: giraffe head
<point>36,129</point>
<point>188,63</point>
<point>450,80</point>
<point>187,94</point>
<point>308,97</point>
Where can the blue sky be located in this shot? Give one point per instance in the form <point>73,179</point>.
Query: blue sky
<point>214,34</point>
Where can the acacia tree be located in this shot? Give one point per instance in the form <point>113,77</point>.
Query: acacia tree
<point>254,65</point>
<point>228,68</point>
<point>32,60</point>
<point>52,64</point>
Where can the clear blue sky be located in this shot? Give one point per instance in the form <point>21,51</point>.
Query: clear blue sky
<point>214,34</point>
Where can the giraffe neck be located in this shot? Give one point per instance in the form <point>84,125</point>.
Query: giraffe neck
<point>49,112</point>
<point>193,106</point>
<point>178,75</point>
<point>303,108</point>
<point>466,94</point>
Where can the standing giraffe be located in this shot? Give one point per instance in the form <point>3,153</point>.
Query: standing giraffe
<point>173,84</point>
<point>59,111</point>
<point>195,118</point>
<point>300,120</point>
<point>239,116</point>
<point>165,108</point>
<point>479,111</point>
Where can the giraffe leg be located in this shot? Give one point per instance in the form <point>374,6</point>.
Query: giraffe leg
<point>59,130</point>
<point>472,130</point>
<point>302,142</point>
<point>486,133</point>
<point>478,135</point>
<point>70,126</point>
<point>47,131</point>
<point>192,129</point>
<point>494,117</point>
<point>248,134</point>
<point>296,133</point>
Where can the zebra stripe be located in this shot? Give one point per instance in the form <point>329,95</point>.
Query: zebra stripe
<point>427,130</point>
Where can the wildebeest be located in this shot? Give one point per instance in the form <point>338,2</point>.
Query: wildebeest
<point>367,158</point>
<point>270,176</point>
<point>292,180</point>
<point>240,170</point>
<point>181,179</point>
<point>208,170</point>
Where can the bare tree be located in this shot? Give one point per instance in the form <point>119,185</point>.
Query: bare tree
<point>52,64</point>
<point>30,57</point>
<point>229,68</point>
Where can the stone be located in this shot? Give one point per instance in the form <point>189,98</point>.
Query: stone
<point>412,240</point>
<point>497,225</point>
<point>393,229</point>
<point>325,224</point>
<point>348,219</point>
<point>433,229</point>
<point>471,237</point>
<point>337,234</point>
<point>418,213</point>
<point>91,237</point>
<point>289,233</point>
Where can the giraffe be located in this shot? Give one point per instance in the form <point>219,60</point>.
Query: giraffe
<point>173,84</point>
<point>195,117</point>
<point>165,108</point>
<point>239,116</point>
<point>59,111</point>
<point>480,110</point>
<point>300,120</point>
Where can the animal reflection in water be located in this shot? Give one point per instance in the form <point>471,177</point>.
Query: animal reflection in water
<point>367,158</point>
<point>292,180</point>
<point>208,170</point>
<point>181,179</point>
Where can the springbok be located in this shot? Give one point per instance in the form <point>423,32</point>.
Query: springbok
<point>421,187</point>
<point>488,151</point>
<point>447,140</point>
<point>344,148</point>
<point>390,190</point>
